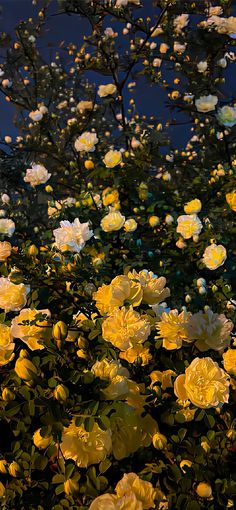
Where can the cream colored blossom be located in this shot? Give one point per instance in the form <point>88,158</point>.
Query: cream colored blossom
<point>193,207</point>
<point>180,22</point>
<point>106,369</point>
<point>12,297</point>
<point>204,383</point>
<point>206,103</point>
<point>154,290</point>
<point>7,227</point>
<point>222,25</point>
<point>37,175</point>
<point>6,345</point>
<point>214,256</point>
<point>125,328</point>
<point>5,250</point>
<point>227,116</point>
<point>85,448</point>
<point>106,90</point>
<point>33,335</point>
<point>172,328</point>
<point>112,159</point>
<point>72,236</point>
<point>189,225</point>
<point>86,142</point>
<point>36,115</point>
<point>113,221</point>
<point>210,330</point>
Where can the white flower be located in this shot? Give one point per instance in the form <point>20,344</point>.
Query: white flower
<point>202,66</point>
<point>72,236</point>
<point>36,175</point>
<point>180,22</point>
<point>189,225</point>
<point>5,198</point>
<point>227,116</point>
<point>206,103</point>
<point>106,90</point>
<point>112,158</point>
<point>7,227</point>
<point>86,142</point>
<point>36,115</point>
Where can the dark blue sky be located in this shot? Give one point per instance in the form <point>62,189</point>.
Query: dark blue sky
<point>149,100</point>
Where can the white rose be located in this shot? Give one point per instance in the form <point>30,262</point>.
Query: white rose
<point>36,115</point>
<point>86,142</point>
<point>206,103</point>
<point>227,116</point>
<point>72,236</point>
<point>36,175</point>
<point>7,227</point>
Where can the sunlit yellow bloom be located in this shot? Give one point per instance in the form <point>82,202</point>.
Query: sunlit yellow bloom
<point>12,297</point>
<point>193,207</point>
<point>120,290</point>
<point>125,328</point>
<point>104,502</point>
<point>165,378</point>
<point>130,225</point>
<point>106,369</point>
<point>138,352</point>
<point>229,358</point>
<point>172,328</point>
<point>6,345</point>
<point>113,221</point>
<point>41,441</point>
<point>231,200</point>
<point>112,158</point>
<point>189,225</point>
<point>109,196</point>
<point>83,447</point>
<point>34,334</point>
<point>214,256</point>
<point>210,330</point>
<point>144,491</point>
<point>153,288</point>
<point>106,90</point>
<point>204,383</point>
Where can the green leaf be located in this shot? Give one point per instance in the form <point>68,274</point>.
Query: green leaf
<point>193,505</point>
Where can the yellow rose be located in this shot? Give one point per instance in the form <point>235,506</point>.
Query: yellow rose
<point>143,491</point>
<point>229,358</point>
<point>206,103</point>
<point>33,335</point>
<point>231,200</point>
<point>85,448</point>
<point>106,502</point>
<point>172,328</point>
<point>112,159</point>
<point>165,378</point>
<point>113,221</point>
<point>125,328</point>
<point>130,225</point>
<point>154,221</point>
<point>6,345</point>
<point>214,256</point>
<point>193,207</point>
<point>106,369</point>
<point>189,225</point>
<point>204,383</point>
<point>153,288</point>
<point>41,441</point>
<point>12,297</point>
<point>106,90</point>
<point>109,196</point>
<point>133,353</point>
<point>210,330</point>
<point>121,289</point>
<point>5,250</point>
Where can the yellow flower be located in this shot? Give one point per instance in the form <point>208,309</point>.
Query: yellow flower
<point>159,441</point>
<point>152,286</point>
<point>113,221</point>
<point>106,369</point>
<point>189,225</point>
<point>125,328</point>
<point>154,221</point>
<point>86,142</point>
<point>193,207</point>
<point>106,90</point>
<point>133,353</point>
<point>41,441</point>
<point>206,103</point>
<point>214,256</point>
<point>204,383</point>
<point>85,448</point>
<point>204,490</point>
<point>12,297</point>
<point>34,334</point>
<point>231,200</point>
<point>112,159</point>
<point>165,378</point>
<point>109,196</point>
<point>229,358</point>
<point>5,250</point>
<point>25,369</point>
<point>104,502</point>
<point>172,328</point>
<point>121,289</point>
<point>130,225</point>
<point>6,345</point>
<point>82,106</point>
<point>143,491</point>
<point>210,330</point>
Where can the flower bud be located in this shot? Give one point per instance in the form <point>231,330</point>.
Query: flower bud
<point>7,395</point>
<point>71,487</point>
<point>205,445</point>
<point>40,441</point>
<point>25,369</point>
<point>159,441</point>
<point>204,490</point>
<point>48,189</point>
<point>2,490</point>
<point>61,393</point>
<point>3,466</point>
<point>59,331</point>
<point>33,250</point>
<point>89,165</point>
<point>154,221</point>
<point>231,434</point>
<point>14,469</point>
